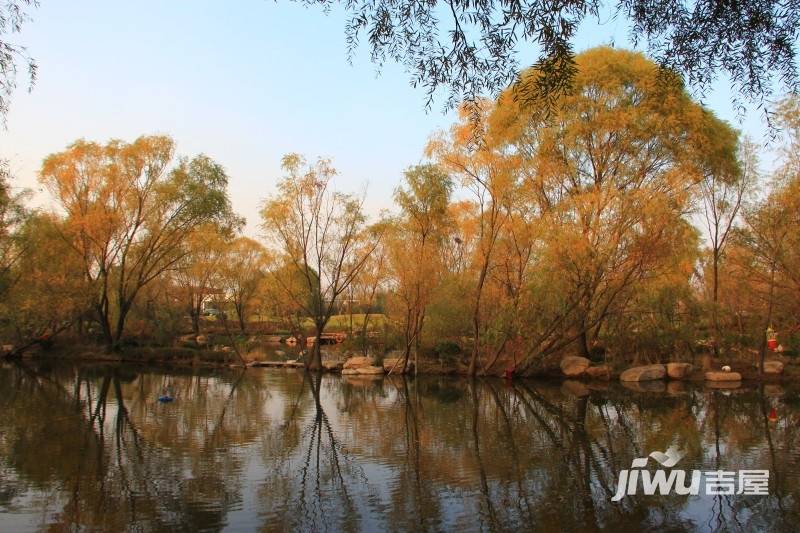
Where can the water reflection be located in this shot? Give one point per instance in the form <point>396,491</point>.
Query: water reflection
<point>91,448</point>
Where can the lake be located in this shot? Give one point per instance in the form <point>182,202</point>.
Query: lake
<point>91,448</point>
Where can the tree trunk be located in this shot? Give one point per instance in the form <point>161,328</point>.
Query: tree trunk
<point>476,319</point>
<point>583,342</point>
<point>195,322</point>
<point>714,301</point>
<point>124,308</point>
<point>105,324</point>
<point>767,323</point>
<point>315,359</point>
<point>240,316</point>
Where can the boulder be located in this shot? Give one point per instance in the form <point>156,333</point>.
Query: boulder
<point>723,376</point>
<point>773,367</point>
<point>599,372</point>
<point>349,371</point>
<point>357,362</point>
<point>370,370</point>
<point>573,366</point>
<point>644,373</point>
<point>678,370</point>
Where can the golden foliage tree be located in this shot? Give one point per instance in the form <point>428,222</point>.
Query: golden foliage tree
<point>127,211</point>
<point>320,234</point>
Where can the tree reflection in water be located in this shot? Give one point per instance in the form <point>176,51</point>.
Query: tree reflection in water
<point>90,447</point>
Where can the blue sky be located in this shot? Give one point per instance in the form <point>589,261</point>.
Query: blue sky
<point>244,82</point>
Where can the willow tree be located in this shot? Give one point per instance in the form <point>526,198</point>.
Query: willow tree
<point>722,192</point>
<point>472,48</point>
<point>321,235</point>
<point>489,173</point>
<point>612,170</point>
<point>769,242</point>
<point>241,274</point>
<point>12,215</point>
<point>198,273</point>
<point>128,209</point>
<point>48,295</point>
<point>415,250</point>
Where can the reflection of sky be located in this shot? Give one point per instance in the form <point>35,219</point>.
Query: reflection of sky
<point>245,84</point>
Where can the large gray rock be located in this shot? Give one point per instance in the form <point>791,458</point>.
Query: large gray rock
<point>644,373</point>
<point>773,367</point>
<point>678,370</point>
<point>573,366</point>
<point>723,376</point>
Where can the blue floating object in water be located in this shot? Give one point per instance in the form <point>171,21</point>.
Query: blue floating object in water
<point>165,399</point>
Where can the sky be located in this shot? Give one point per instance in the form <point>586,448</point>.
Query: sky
<point>244,83</point>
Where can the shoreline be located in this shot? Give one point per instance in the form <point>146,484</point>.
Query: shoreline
<point>188,358</point>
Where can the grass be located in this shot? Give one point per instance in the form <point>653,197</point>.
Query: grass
<point>338,322</point>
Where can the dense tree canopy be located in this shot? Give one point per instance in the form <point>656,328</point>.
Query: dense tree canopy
<point>624,223</point>
<point>128,213</point>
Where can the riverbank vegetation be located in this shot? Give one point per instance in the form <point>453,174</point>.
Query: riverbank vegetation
<point>624,223</point>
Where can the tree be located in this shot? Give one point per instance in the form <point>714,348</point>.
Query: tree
<point>286,296</point>
<point>12,16</point>
<point>198,272</point>
<point>127,214</point>
<point>416,247</point>
<point>369,286</point>
<point>489,173</point>
<point>470,48</point>
<point>12,215</point>
<point>242,271</point>
<point>767,238</point>
<point>611,169</point>
<point>48,295</point>
<point>722,191</point>
<point>321,234</point>
<point>768,245</point>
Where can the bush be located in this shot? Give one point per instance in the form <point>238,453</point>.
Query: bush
<point>446,351</point>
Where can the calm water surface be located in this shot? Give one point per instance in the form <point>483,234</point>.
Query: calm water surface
<point>89,448</point>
